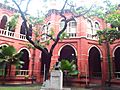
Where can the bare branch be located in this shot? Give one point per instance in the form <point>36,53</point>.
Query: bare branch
<point>58,37</point>
<point>51,37</point>
<point>81,14</point>
<point>27,6</point>
<point>26,27</point>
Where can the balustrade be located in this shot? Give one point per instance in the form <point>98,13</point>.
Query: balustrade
<point>11,34</point>
<point>22,72</point>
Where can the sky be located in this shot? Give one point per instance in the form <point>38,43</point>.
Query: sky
<point>38,5</point>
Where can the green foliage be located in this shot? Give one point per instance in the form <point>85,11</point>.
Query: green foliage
<point>63,36</point>
<point>108,34</point>
<point>36,33</point>
<point>52,32</point>
<point>35,20</point>
<point>69,67</point>
<point>9,55</point>
<point>114,19</point>
<point>102,10</point>
<point>13,22</point>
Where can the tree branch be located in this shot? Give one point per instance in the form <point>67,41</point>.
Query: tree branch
<point>51,37</point>
<point>26,27</point>
<point>27,6</point>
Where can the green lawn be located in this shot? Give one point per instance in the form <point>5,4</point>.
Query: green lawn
<point>24,87</point>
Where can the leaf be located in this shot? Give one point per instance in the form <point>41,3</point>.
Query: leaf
<point>8,51</point>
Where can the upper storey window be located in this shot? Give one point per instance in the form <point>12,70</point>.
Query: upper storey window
<point>62,23</point>
<point>45,31</point>
<point>3,22</point>
<point>23,29</point>
<point>97,26</point>
<point>89,27</point>
<point>72,26</point>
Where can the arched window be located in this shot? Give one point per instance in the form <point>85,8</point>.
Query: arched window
<point>72,26</point>
<point>44,32</point>
<point>89,27</point>
<point>3,22</point>
<point>30,31</point>
<point>62,23</point>
<point>97,26</point>
<point>22,29</point>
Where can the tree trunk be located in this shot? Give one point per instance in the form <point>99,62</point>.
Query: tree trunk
<point>47,67</point>
<point>109,63</point>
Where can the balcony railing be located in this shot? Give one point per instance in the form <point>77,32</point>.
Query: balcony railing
<point>117,75</point>
<point>71,35</point>
<point>91,36</point>
<point>22,72</point>
<point>10,34</point>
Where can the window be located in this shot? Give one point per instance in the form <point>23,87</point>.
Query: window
<point>3,22</point>
<point>89,27</point>
<point>62,23</point>
<point>97,26</point>
<point>22,29</point>
<point>72,26</point>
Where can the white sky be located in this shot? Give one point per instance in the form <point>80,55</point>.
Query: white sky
<point>38,5</point>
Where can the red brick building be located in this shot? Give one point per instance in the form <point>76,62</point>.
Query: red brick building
<point>81,46</point>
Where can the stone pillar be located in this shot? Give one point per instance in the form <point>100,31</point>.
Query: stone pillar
<point>56,79</point>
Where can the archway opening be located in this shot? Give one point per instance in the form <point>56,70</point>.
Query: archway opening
<point>68,53</point>
<point>3,22</point>
<point>25,58</point>
<point>94,63</point>
<point>117,62</point>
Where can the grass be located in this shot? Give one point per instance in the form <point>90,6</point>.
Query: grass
<point>20,87</point>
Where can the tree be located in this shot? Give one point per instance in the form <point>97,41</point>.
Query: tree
<point>109,35</point>
<point>69,68</point>
<point>37,44</point>
<point>8,57</point>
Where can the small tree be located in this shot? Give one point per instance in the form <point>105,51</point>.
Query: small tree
<point>8,57</point>
<point>69,68</point>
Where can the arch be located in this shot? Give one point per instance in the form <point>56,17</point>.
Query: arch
<point>27,50</point>
<point>116,61</point>
<point>98,23</point>
<point>3,22</point>
<point>97,48</point>
<point>65,45</point>
<point>22,28</point>
<point>68,53</point>
<point>89,26</point>
<point>25,59</point>
<point>3,45</point>
<point>94,61</point>
<point>70,24</point>
<point>115,50</point>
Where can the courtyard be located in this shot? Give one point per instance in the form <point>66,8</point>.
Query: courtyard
<point>38,86</point>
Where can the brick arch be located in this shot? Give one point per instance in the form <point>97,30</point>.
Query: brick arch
<point>97,48</point>
<point>94,60</point>
<point>115,50</point>
<point>64,46</point>
<point>3,21</point>
<point>27,50</point>
<point>25,58</point>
